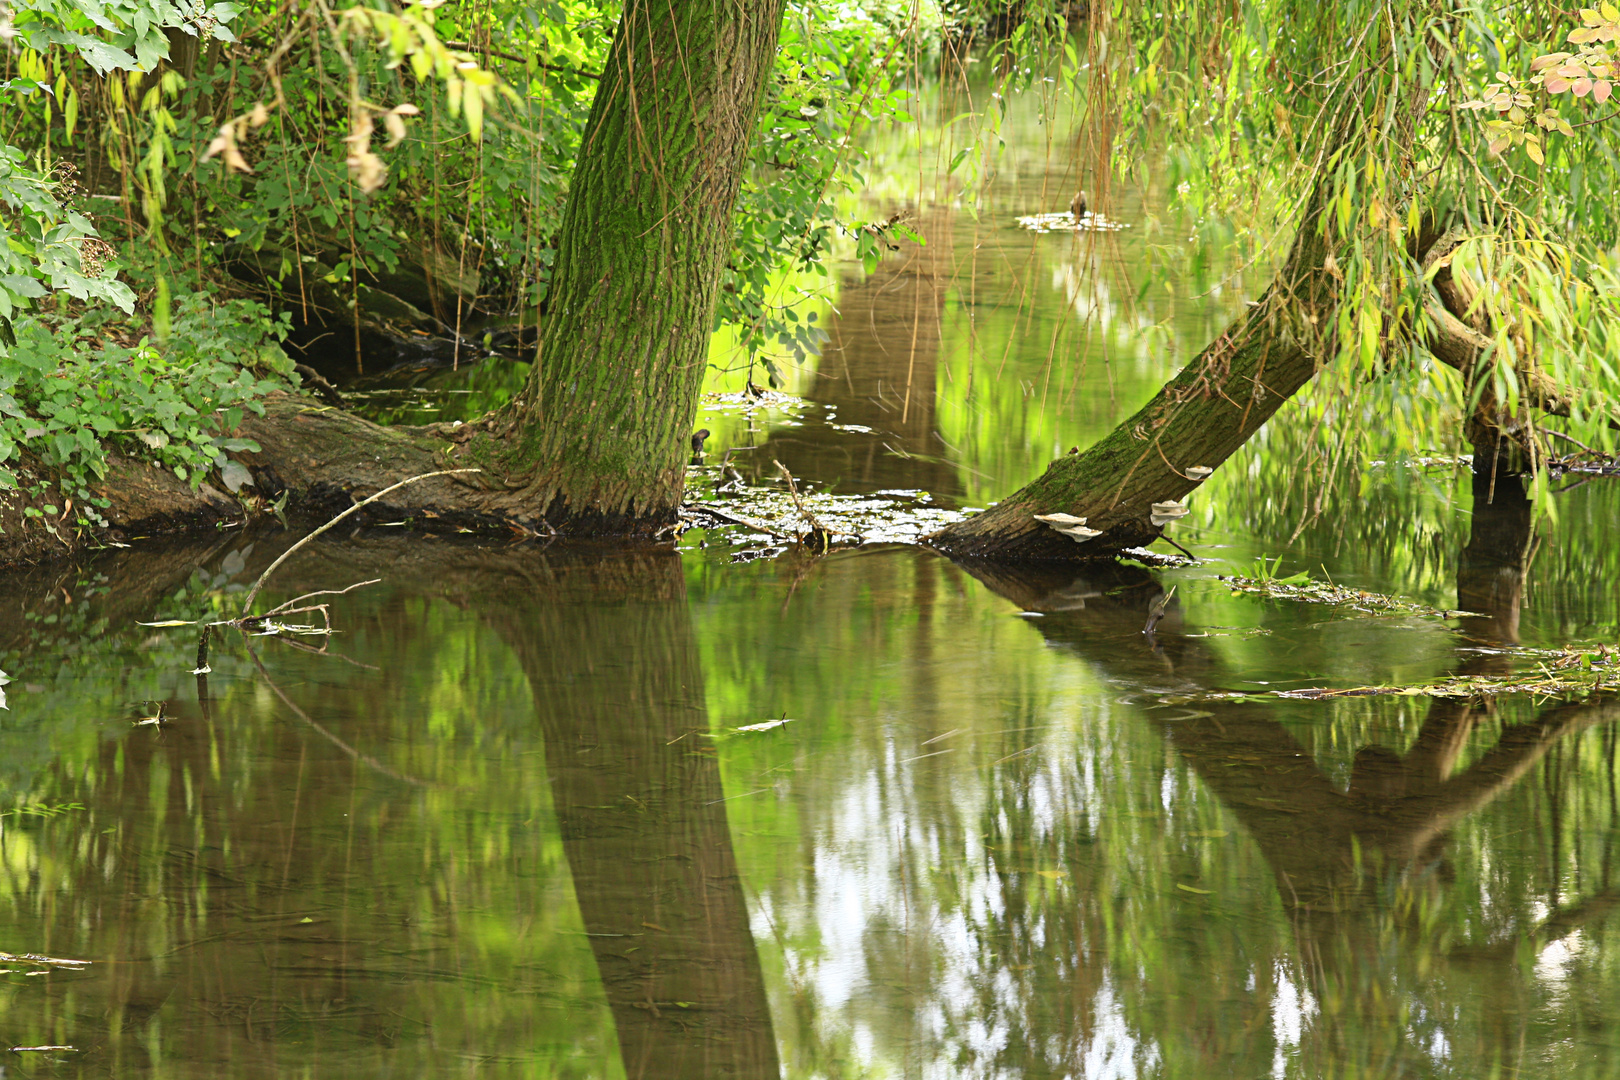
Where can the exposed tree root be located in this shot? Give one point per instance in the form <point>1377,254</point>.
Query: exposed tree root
<point>316,461</point>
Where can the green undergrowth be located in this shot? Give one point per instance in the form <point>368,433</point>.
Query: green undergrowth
<point>76,387</point>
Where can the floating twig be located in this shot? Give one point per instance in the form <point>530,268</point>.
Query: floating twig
<point>36,958</point>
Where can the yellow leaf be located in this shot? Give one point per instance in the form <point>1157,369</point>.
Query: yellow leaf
<point>1189,888</point>
<point>1533,148</point>
<point>1053,874</point>
<point>1610,12</point>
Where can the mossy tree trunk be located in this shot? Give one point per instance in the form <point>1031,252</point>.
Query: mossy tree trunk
<point>1196,420</point>
<point>1220,400</point>
<point>598,439</point>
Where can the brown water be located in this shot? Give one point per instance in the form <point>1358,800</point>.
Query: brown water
<point>508,826</point>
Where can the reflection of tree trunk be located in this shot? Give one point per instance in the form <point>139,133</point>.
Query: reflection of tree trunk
<point>1335,852</point>
<point>198,891</point>
<point>1395,815</point>
<point>1490,575</point>
<point>878,368</point>
<point>637,792</point>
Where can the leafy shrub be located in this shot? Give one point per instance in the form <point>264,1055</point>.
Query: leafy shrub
<point>70,390</point>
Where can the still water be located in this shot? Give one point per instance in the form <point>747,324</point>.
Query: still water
<point>507,825</point>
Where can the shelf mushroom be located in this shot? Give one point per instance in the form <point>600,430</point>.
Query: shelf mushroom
<point>1199,472</point>
<point>1166,512</point>
<point>1069,525</point>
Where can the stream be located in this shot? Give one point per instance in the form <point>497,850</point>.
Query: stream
<point>728,809</point>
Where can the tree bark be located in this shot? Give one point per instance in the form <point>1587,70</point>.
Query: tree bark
<point>597,442</point>
<point>599,437</point>
<point>1197,420</point>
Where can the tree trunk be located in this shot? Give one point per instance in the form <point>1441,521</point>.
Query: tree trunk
<point>1197,420</point>
<point>1217,402</point>
<point>597,442</point>
<point>598,439</point>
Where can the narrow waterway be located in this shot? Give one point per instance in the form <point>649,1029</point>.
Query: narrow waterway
<point>676,813</point>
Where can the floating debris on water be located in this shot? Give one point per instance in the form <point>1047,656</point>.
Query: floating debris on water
<point>1425,461</point>
<point>767,520</point>
<point>36,958</point>
<point>744,401</point>
<point>1161,559</point>
<point>766,725</point>
<point>1063,221</point>
<point>1325,592</point>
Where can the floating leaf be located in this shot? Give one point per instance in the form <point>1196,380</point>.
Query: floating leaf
<point>767,725</point>
<point>1189,888</point>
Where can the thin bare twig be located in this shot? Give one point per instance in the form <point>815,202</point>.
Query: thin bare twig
<point>335,741</point>
<point>1571,439</point>
<point>285,555</point>
<point>562,68</point>
<point>818,531</point>
<point>324,592</point>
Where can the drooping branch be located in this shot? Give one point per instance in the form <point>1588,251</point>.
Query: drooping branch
<point>1459,332</point>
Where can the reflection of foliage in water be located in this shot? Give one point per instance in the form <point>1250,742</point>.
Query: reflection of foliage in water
<point>979,849</point>
<point>241,836</point>
<point>1023,911</point>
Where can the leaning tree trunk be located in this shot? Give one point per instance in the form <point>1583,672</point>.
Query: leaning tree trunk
<point>597,440</point>
<point>1217,402</point>
<point>1196,421</point>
